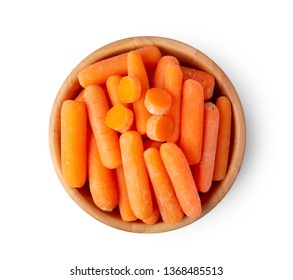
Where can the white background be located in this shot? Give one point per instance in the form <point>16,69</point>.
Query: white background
<point>44,233</point>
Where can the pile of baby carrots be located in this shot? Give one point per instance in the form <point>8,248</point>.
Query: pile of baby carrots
<point>148,135</point>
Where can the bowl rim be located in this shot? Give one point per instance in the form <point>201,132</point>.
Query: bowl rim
<point>187,55</point>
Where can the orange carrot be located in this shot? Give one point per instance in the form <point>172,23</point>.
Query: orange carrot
<point>192,111</point>
<point>159,128</point>
<point>106,138</point>
<point>129,89</point>
<point>173,84</point>
<point>157,101</point>
<point>112,84</point>
<point>126,212</point>
<point>98,73</point>
<point>159,75</point>
<point>119,118</point>
<point>181,177</point>
<point>203,171</point>
<point>102,180</point>
<point>155,216</point>
<point>136,68</point>
<point>204,78</point>
<point>74,143</point>
<point>169,206</point>
<point>223,144</point>
<point>136,176</point>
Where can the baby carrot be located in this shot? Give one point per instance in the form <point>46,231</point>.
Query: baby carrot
<point>98,73</point>
<point>223,144</point>
<point>119,118</point>
<point>155,216</point>
<point>159,75</point>
<point>106,138</point>
<point>136,68</point>
<point>102,180</point>
<point>173,84</point>
<point>136,176</point>
<point>159,128</point>
<point>192,111</point>
<point>126,212</point>
<point>112,84</point>
<point>129,89</point>
<point>157,101</point>
<point>203,171</point>
<point>73,143</point>
<point>181,177</point>
<point>205,79</point>
<point>169,206</point>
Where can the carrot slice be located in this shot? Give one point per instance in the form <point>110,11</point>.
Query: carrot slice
<point>224,134</point>
<point>203,171</point>
<point>181,177</point>
<point>106,138</point>
<point>135,173</point>
<point>205,79</point>
<point>173,84</point>
<point>159,75</point>
<point>102,180</point>
<point>192,112</point>
<point>74,143</point>
<point>136,68</point>
<point>169,206</point>
<point>129,89</point>
<point>157,101</point>
<point>119,118</point>
<point>126,212</point>
<point>98,73</point>
<point>159,128</point>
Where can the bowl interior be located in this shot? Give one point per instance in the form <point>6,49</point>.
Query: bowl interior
<point>188,56</point>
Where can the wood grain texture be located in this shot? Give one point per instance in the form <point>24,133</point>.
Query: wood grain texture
<point>188,56</point>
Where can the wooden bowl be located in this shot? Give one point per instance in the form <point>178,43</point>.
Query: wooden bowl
<point>188,56</point>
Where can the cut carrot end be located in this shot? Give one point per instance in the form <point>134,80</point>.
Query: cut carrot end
<point>159,128</point>
<point>129,89</point>
<point>157,101</point>
<point>119,118</point>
